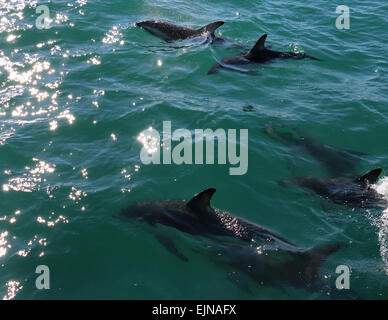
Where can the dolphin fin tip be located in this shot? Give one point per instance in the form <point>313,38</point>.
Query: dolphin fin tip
<point>259,46</point>
<point>212,27</point>
<point>201,200</point>
<point>371,177</point>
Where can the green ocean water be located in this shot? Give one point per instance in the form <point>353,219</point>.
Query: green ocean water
<point>74,99</point>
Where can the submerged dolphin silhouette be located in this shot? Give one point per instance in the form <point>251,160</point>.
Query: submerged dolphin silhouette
<point>197,217</point>
<point>269,266</point>
<point>258,54</point>
<point>337,161</point>
<point>352,193</point>
<point>169,31</point>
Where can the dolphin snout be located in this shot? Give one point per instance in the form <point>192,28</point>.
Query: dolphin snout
<point>143,24</point>
<point>285,183</point>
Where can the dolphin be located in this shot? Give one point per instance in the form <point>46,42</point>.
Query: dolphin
<point>269,266</point>
<point>170,32</point>
<point>337,161</point>
<point>196,217</point>
<point>349,192</point>
<point>258,54</point>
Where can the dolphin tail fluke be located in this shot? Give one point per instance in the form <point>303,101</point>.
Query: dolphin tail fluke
<point>170,246</point>
<point>316,257</point>
<point>215,69</point>
<point>234,278</point>
<point>283,133</point>
<point>211,27</point>
<point>311,57</point>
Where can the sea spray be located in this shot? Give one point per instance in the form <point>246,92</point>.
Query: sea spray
<point>382,222</point>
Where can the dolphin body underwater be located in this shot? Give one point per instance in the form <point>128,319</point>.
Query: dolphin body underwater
<point>278,258</point>
<point>337,161</point>
<point>258,54</point>
<point>349,192</point>
<point>171,32</point>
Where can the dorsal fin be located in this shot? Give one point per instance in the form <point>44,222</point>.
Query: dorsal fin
<point>370,177</point>
<point>202,200</point>
<point>211,27</point>
<point>259,46</point>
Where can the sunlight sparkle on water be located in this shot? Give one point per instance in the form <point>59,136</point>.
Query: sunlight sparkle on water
<point>113,36</point>
<point>150,142</point>
<point>53,125</point>
<point>3,243</point>
<point>12,289</point>
<point>30,180</point>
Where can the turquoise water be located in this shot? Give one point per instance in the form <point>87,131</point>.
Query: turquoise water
<point>75,97</point>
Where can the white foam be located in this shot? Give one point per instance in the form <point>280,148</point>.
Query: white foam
<point>382,187</point>
<point>383,238</point>
<point>382,222</point>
